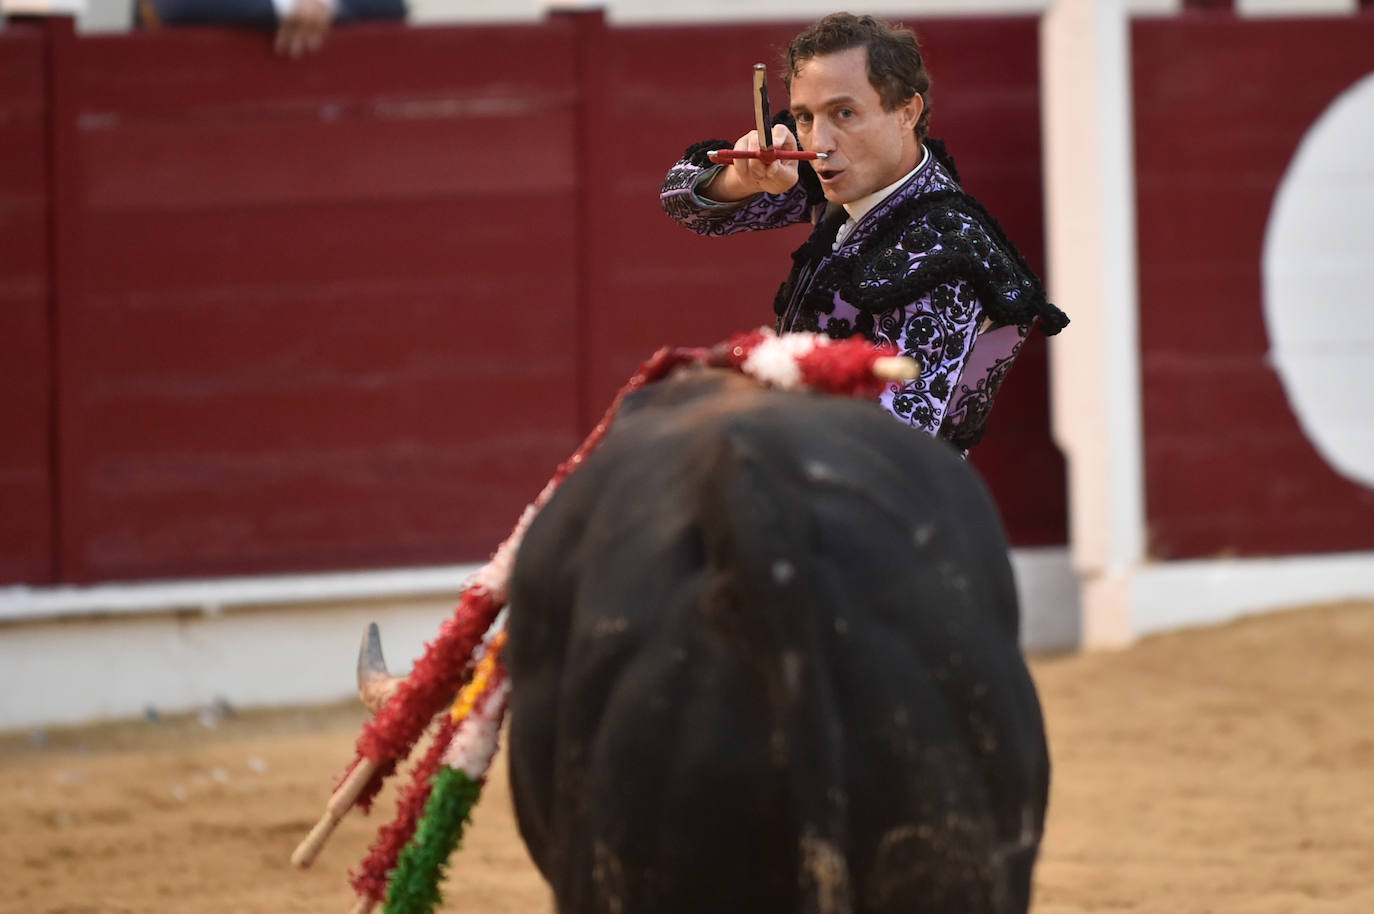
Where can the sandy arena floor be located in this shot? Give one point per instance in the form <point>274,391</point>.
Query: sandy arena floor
<point>1225,771</point>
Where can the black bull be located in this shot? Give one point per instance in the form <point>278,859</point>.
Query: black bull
<point>764,659</point>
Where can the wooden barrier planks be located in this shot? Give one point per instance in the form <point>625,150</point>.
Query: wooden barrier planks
<point>26,471</point>
<point>325,308</point>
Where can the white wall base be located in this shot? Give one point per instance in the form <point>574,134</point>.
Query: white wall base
<point>77,654</point>
<point>69,671</point>
<point>74,655</point>
<point>1171,595</point>
<point>1049,591</point>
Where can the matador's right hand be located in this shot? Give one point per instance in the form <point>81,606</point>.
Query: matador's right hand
<point>746,177</point>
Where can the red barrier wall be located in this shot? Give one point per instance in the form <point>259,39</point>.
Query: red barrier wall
<point>351,311</point>
<point>326,309</point>
<point>26,532</point>
<point>1221,105</point>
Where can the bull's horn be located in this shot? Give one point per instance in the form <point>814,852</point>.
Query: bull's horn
<point>375,684</point>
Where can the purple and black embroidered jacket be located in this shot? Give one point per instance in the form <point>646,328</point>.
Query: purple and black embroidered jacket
<point>927,269</point>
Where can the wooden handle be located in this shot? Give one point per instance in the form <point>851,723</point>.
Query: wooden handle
<point>338,806</point>
<point>306,852</point>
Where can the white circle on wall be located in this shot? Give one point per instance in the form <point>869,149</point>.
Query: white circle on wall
<point>1318,271</point>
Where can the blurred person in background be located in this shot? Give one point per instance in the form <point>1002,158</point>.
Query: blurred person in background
<point>300,25</point>
<point>898,253</point>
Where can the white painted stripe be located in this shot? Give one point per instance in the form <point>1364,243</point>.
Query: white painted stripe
<point>655,12</point>
<point>1296,7</point>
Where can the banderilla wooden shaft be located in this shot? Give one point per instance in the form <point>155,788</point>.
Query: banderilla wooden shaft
<point>338,806</point>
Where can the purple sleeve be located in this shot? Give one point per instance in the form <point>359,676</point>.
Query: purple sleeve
<point>988,362</point>
<point>763,211</point>
<point>963,363</point>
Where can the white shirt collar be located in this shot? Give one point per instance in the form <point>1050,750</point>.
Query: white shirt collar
<point>859,208</point>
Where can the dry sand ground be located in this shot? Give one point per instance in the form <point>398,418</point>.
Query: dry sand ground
<point>1225,771</point>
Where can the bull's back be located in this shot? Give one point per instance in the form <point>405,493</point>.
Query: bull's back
<point>764,657</point>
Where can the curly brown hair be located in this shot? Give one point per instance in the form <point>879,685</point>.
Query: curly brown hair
<point>896,68</point>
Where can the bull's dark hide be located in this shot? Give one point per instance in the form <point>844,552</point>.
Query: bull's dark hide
<point>764,658</point>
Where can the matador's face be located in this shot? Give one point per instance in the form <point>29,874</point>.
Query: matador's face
<point>839,113</point>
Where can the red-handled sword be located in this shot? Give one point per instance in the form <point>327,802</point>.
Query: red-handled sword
<point>765,153</point>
